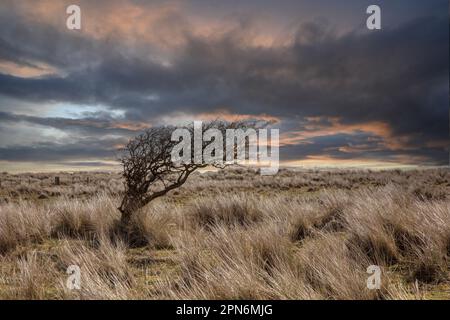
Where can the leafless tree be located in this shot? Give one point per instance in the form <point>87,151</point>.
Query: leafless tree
<point>149,171</point>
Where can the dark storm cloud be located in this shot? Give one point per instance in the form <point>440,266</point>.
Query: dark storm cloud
<point>84,149</point>
<point>24,42</point>
<point>398,76</point>
<point>362,147</point>
<point>101,125</point>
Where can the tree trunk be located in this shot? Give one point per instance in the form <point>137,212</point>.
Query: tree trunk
<point>128,208</point>
<point>125,217</point>
<point>129,230</point>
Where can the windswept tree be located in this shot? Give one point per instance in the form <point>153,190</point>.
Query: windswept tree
<point>150,171</point>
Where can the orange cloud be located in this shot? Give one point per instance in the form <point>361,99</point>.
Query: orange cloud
<point>326,161</point>
<point>164,25</point>
<point>122,19</point>
<point>358,148</point>
<point>133,126</point>
<point>179,117</point>
<point>315,127</point>
<point>227,116</point>
<point>26,71</point>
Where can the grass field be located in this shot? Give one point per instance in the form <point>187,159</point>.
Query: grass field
<point>230,234</point>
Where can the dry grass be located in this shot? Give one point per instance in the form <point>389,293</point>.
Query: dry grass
<point>231,235</point>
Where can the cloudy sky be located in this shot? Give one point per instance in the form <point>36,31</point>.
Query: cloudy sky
<point>341,95</point>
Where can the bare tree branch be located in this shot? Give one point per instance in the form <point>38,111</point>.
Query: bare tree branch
<point>149,171</point>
